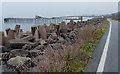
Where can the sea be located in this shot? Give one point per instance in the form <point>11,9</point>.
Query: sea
<point>27,26</point>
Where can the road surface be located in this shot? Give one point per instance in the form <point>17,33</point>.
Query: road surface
<point>111,63</point>
<point>105,57</point>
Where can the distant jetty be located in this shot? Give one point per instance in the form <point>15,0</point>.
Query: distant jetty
<point>39,19</point>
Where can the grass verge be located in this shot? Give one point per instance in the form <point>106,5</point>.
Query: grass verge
<point>77,62</point>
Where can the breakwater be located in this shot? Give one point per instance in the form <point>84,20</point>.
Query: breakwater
<point>45,44</point>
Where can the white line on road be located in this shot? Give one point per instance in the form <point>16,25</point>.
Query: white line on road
<point>104,54</point>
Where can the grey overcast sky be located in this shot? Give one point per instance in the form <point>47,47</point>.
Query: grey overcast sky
<point>49,9</point>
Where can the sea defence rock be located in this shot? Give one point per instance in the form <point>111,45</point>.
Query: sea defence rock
<point>33,29</point>
<point>63,27</point>
<point>16,61</point>
<point>20,63</point>
<point>4,56</point>
<point>28,38</point>
<point>42,32</point>
<point>50,28</point>
<point>36,35</point>
<point>27,47</point>
<point>71,24</point>
<point>40,47</point>
<point>18,44</point>
<point>40,40</point>
<point>7,30</point>
<point>4,40</point>
<point>11,34</point>
<point>18,52</point>
<point>53,35</point>
<point>56,46</point>
<point>4,49</point>
<point>17,31</point>
<point>34,53</point>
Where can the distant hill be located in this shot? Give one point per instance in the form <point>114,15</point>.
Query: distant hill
<point>116,16</point>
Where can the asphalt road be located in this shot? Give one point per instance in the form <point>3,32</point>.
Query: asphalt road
<point>111,61</point>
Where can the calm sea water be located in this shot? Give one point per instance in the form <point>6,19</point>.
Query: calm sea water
<point>26,26</point>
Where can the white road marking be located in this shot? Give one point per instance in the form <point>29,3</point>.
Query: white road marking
<point>104,54</point>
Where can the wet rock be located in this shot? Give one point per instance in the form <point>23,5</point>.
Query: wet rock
<point>18,52</point>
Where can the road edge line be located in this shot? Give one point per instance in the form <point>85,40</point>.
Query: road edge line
<point>104,54</point>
